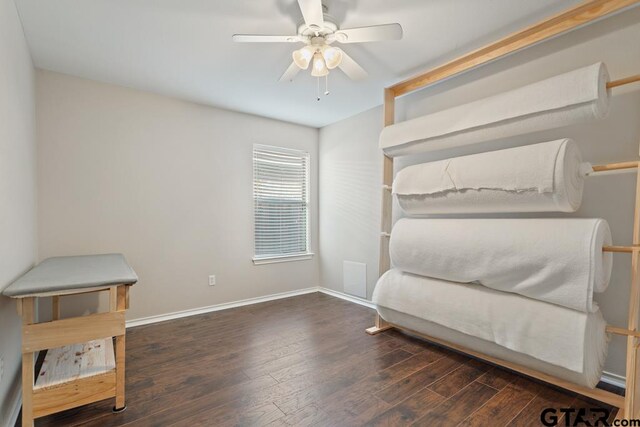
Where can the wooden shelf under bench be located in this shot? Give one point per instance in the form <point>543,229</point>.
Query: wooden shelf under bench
<point>75,374</point>
<point>73,362</point>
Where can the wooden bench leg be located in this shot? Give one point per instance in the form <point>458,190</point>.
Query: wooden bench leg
<point>119,304</point>
<point>380,326</point>
<point>120,377</point>
<point>27,366</point>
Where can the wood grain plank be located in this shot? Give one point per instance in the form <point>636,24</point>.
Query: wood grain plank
<point>409,410</point>
<point>379,380</point>
<point>58,333</point>
<point>76,361</point>
<point>530,415</point>
<point>343,354</point>
<point>399,391</point>
<point>230,415</point>
<point>459,407</point>
<point>497,378</point>
<point>592,412</point>
<point>359,410</point>
<point>501,408</point>
<point>455,381</point>
<point>181,408</point>
<point>310,415</point>
<point>70,395</point>
<point>336,381</point>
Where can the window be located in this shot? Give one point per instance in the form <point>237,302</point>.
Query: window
<point>281,204</point>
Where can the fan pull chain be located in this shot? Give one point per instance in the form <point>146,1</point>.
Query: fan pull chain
<point>318,90</point>
<point>326,85</point>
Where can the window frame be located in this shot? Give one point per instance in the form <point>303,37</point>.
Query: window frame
<point>278,258</point>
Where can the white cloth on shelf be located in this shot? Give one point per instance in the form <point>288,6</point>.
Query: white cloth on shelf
<point>557,260</point>
<point>544,177</point>
<point>569,339</point>
<point>574,97</point>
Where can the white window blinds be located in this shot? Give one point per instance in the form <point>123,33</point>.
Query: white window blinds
<point>281,202</point>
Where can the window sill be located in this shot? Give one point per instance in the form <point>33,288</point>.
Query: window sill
<point>284,258</point>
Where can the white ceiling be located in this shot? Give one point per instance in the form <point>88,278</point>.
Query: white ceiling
<point>183,48</point>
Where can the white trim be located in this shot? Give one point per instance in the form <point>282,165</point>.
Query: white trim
<point>613,379</point>
<point>217,307</point>
<point>282,258</point>
<point>17,405</point>
<point>283,150</point>
<point>347,297</point>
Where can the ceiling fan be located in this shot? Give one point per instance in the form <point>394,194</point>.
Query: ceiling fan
<point>318,31</point>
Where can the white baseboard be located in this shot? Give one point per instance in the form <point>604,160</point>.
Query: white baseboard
<point>217,307</point>
<point>613,379</point>
<point>347,297</point>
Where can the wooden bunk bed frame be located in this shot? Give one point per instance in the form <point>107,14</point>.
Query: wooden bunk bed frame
<point>582,14</point>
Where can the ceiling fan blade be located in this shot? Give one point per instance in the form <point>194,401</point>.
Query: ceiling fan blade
<point>290,73</point>
<point>312,13</point>
<point>351,68</point>
<point>258,38</point>
<point>370,34</point>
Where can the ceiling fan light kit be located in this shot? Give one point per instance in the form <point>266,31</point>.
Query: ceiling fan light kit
<point>318,31</point>
<point>302,57</point>
<point>323,56</point>
<point>319,67</point>
<point>332,56</point>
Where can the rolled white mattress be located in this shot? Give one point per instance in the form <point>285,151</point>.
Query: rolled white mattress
<point>544,177</point>
<point>574,97</point>
<point>557,260</point>
<point>554,340</point>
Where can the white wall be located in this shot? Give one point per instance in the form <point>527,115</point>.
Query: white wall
<point>351,168</point>
<point>166,182</point>
<point>17,190</point>
<point>350,197</point>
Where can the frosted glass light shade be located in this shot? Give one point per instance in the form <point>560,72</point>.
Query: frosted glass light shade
<point>319,66</point>
<point>332,57</point>
<point>302,57</point>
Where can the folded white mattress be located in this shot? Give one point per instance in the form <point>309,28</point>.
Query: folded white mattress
<point>557,260</point>
<point>555,340</point>
<point>544,177</point>
<point>574,97</point>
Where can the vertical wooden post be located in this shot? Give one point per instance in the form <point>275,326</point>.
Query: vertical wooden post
<point>631,395</point>
<point>28,318</point>
<point>113,298</point>
<point>387,202</point>
<point>55,307</point>
<point>387,182</point>
<point>118,302</point>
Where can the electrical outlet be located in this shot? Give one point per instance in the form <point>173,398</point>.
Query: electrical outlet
<point>212,280</point>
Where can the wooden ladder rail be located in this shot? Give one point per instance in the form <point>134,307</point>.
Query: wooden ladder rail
<point>632,394</point>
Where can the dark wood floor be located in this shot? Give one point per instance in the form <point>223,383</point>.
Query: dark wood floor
<point>307,361</point>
